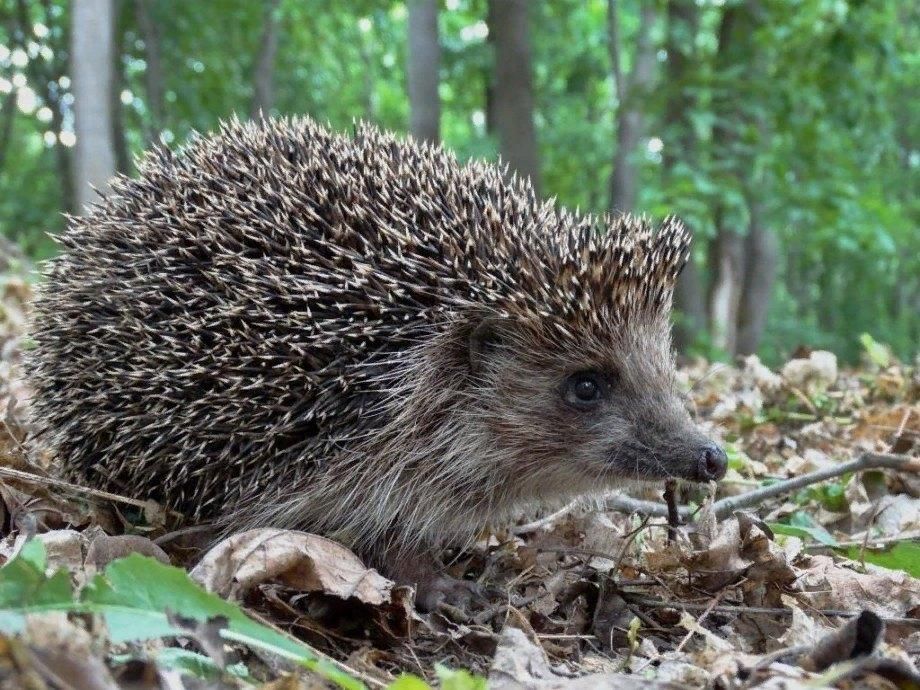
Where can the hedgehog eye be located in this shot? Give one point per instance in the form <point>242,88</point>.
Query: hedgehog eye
<point>584,390</point>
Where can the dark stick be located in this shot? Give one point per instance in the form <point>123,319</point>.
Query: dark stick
<point>670,499</point>
<point>726,506</point>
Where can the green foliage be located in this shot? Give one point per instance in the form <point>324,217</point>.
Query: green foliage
<point>461,679</point>
<point>802,525</point>
<point>902,555</point>
<point>876,352</point>
<point>807,116</point>
<point>136,595</point>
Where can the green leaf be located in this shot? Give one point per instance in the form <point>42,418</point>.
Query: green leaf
<point>198,665</point>
<point>459,680</point>
<point>803,526</point>
<point>737,458</point>
<point>408,682</point>
<point>903,555</point>
<point>135,593</point>
<point>25,589</point>
<point>876,352</point>
<point>190,663</point>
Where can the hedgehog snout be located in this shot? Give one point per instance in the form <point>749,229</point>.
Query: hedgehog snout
<point>712,463</point>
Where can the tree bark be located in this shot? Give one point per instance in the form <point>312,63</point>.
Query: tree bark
<point>690,302</point>
<point>630,118</point>
<point>745,266</point>
<point>91,68</point>
<point>422,71</point>
<point>680,146</point>
<point>726,252</point>
<point>761,259</point>
<point>263,96</point>
<point>154,83</point>
<point>513,96</point>
<point>8,113</point>
<point>119,139</point>
<point>727,264</point>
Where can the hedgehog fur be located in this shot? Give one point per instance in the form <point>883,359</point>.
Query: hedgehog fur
<point>358,336</point>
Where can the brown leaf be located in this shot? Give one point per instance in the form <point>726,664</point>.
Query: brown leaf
<point>828,585</point>
<point>103,549</point>
<point>299,560</point>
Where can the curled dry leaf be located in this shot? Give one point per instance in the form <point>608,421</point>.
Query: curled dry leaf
<point>827,585</point>
<point>298,560</point>
<point>742,547</point>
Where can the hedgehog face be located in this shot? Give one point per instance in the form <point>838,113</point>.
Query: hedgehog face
<point>586,410</point>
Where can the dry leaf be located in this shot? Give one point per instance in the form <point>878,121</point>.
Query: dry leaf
<point>298,560</point>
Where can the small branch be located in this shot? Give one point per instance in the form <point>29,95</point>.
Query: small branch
<point>727,506</point>
<point>544,521</point>
<point>670,501</point>
<point>867,461</point>
<point>752,610</point>
<point>870,543</point>
<point>39,480</point>
<point>627,504</point>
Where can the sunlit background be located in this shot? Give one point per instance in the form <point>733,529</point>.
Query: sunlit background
<point>784,133</point>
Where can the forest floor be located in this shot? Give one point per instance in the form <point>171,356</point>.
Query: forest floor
<point>774,581</point>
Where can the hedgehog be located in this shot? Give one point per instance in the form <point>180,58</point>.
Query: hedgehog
<point>357,336</point>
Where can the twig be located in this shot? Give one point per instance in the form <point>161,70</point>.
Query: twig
<point>867,461</point>
<point>342,666</point>
<point>690,633</point>
<point>753,610</point>
<point>870,543</point>
<point>39,480</point>
<point>670,501</point>
<point>486,615</point>
<point>544,521</point>
<point>726,506</point>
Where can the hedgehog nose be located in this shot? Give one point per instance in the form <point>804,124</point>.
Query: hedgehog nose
<point>712,463</point>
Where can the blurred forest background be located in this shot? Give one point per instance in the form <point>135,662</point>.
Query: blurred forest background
<point>785,133</point>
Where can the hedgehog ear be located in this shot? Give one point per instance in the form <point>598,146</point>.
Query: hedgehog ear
<point>485,337</point>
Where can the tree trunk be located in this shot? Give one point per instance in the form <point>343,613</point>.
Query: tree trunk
<point>119,139</point>
<point>690,301</point>
<point>513,98</point>
<point>153,73</point>
<point>91,68</point>
<point>761,259</point>
<point>680,146</point>
<point>745,266</point>
<point>422,68</point>
<point>727,264</point>
<point>726,252</point>
<point>263,96</point>
<point>630,107</point>
<point>8,113</point>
